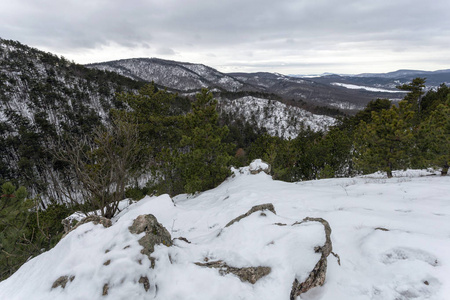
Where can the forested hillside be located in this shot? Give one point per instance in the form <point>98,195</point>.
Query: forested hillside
<point>43,96</point>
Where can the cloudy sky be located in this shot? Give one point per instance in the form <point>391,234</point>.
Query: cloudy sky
<point>285,36</point>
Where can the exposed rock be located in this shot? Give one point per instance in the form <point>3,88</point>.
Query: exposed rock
<point>182,239</point>
<point>68,224</point>
<point>155,234</point>
<point>94,219</point>
<point>62,281</point>
<point>280,224</point>
<point>105,289</point>
<point>382,229</point>
<point>250,274</point>
<point>145,282</point>
<point>318,274</point>
<point>262,207</point>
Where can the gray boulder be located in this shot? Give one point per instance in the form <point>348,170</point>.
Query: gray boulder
<point>155,234</point>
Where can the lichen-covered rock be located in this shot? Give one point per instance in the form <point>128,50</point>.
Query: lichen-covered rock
<point>318,274</point>
<point>249,274</point>
<point>262,207</point>
<point>155,234</point>
<point>94,219</point>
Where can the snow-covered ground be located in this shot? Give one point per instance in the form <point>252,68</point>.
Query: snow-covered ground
<point>392,236</point>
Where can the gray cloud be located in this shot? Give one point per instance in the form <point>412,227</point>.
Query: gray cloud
<point>166,51</point>
<point>298,33</point>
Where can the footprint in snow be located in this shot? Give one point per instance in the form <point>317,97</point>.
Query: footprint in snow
<point>403,253</point>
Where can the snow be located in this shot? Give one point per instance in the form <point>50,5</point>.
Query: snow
<point>367,88</point>
<point>277,118</point>
<point>258,165</point>
<point>392,236</point>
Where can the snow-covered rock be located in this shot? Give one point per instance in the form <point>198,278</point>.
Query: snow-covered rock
<point>258,166</point>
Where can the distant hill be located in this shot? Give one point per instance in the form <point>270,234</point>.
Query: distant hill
<point>385,82</point>
<point>433,77</point>
<point>177,76</point>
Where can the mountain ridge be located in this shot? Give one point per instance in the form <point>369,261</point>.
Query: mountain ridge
<point>348,93</point>
<point>187,78</point>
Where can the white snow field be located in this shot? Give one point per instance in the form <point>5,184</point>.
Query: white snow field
<point>392,236</point>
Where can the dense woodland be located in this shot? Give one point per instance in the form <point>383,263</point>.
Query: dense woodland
<point>66,157</point>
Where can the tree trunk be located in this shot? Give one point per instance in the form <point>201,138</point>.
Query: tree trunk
<point>389,173</point>
<point>444,170</point>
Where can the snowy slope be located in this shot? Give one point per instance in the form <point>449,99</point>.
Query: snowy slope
<point>392,237</point>
<point>278,118</point>
<point>174,75</point>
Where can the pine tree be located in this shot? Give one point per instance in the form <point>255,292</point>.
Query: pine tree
<point>435,138</point>
<point>384,144</point>
<point>25,229</point>
<point>16,244</point>
<point>151,110</point>
<point>204,157</point>
<point>159,118</point>
<point>414,97</point>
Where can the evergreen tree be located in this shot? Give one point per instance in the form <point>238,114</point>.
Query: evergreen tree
<point>433,99</point>
<point>159,117</point>
<point>25,229</point>
<point>435,138</point>
<point>414,97</point>
<point>204,156</point>
<point>15,240</point>
<point>384,143</point>
<point>335,149</point>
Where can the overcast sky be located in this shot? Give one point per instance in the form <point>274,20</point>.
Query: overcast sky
<point>285,36</point>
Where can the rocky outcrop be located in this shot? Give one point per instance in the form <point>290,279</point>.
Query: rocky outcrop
<point>318,274</point>
<point>155,234</point>
<point>94,219</point>
<point>262,207</point>
<point>249,274</point>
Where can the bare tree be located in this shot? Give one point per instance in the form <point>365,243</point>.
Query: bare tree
<point>103,164</point>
